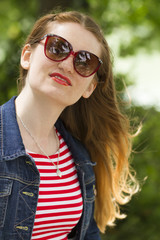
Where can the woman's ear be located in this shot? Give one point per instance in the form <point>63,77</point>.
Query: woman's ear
<point>25,56</point>
<point>90,89</point>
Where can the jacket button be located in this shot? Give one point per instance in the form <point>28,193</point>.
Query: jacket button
<point>30,194</point>
<point>25,228</point>
<point>94,190</point>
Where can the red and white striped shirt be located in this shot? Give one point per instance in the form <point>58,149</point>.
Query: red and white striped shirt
<point>60,201</point>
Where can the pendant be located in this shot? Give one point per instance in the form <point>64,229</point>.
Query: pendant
<point>59,173</point>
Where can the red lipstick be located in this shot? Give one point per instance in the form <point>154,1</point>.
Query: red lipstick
<point>59,78</point>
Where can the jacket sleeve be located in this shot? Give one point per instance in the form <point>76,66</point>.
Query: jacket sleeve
<point>92,232</point>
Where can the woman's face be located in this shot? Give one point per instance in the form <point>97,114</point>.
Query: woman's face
<point>48,78</point>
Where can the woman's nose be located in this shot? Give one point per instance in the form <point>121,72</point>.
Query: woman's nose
<point>67,64</point>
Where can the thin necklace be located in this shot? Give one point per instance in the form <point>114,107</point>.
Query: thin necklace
<point>59,173</point>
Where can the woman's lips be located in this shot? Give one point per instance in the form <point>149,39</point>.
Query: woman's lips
<point>59,78</point>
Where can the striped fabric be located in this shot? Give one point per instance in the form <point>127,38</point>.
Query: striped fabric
<point>60,201</point>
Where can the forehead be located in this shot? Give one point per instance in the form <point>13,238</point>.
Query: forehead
<point>77,35</point>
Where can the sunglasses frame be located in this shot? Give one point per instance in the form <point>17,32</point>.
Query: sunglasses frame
<point>47,36</point>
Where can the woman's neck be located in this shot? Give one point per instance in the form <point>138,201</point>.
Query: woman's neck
<point>38,112</point>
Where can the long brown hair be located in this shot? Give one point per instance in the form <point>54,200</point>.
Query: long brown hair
<point>99,124</point>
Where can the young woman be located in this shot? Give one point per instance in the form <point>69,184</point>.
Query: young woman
<point>64,145</point>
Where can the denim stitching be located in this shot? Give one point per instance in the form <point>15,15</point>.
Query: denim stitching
<point>23,197</point>
<point>19,180</point>
<point>31,165</point>
<point>87,162</point>
<point>13,156</point>
<point>19,235</point>
<point>90,181</point>
<point>27,206</point>
<point>1,131</point>
<point>89,200</point>
<point>4,194</point>
<point>5,199</point>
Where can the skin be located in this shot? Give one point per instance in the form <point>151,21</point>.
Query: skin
<point>44,96</point>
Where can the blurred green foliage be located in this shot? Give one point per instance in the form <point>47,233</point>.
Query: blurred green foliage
<point>138,19</point>
<point>143,211</point>
<point>16,19</point>
<point>139,22</point>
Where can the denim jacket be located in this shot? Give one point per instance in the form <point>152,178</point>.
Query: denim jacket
<point>20,179</point>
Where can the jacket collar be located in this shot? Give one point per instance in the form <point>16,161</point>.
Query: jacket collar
<point>10,139</point>
<point>11,143</point>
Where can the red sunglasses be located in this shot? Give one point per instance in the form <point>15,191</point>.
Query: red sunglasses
<point>58,49</point>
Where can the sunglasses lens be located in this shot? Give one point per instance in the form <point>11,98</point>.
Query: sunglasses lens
<point>86,63</point>
<point>57,48</point>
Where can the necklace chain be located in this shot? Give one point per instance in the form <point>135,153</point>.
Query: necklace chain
<point>59,173</point>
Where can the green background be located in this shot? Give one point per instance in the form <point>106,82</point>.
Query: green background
<point>142,18</point>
